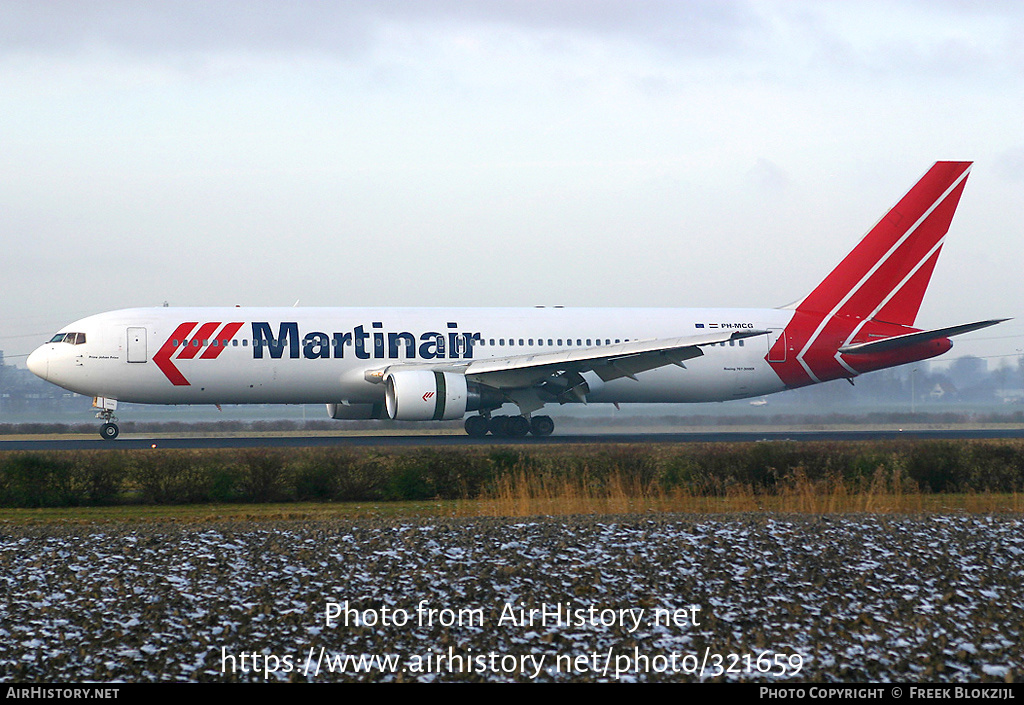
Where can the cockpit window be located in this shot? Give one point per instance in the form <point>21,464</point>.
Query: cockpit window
<point>72,338</point>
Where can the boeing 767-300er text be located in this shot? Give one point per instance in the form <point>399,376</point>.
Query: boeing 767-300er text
<point>422,364</point>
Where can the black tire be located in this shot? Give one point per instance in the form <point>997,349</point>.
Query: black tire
<point>542,426</point>
<point>109,431</point>
<point>518,426</point>
<point>499,426</point>
<point>477,426</point>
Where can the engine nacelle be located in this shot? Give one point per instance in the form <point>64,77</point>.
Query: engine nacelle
<point>355,411</point>
<point>427,395</point>
<point>424,395</point>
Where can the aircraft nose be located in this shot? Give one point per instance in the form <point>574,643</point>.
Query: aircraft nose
<point>38,362</point>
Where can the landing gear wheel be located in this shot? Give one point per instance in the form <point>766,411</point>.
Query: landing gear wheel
<point>518,426</point>
<point>109,431</point>
<point>477,426</point>
<point>542,426</point>
<point>500,425</point>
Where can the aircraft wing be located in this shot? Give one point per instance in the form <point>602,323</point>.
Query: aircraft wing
<point>607,361</point>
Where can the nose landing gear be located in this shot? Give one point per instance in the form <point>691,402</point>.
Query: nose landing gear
<point>109,429</point>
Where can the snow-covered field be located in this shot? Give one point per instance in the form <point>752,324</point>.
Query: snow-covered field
<point>781,599</point>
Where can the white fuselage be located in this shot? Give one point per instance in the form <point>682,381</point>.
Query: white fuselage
<point>320,355</point>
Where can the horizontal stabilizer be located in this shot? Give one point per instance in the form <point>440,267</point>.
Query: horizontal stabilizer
<point>902,341</point>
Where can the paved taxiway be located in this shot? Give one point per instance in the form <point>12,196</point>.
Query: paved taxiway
<point>141,441</point>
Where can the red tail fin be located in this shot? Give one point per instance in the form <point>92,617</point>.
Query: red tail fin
<point>885,276</point>
<point>878,287</point>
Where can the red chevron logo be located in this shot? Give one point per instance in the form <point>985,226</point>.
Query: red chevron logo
<point>184,345</point>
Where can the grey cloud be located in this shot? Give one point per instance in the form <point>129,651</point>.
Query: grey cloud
<point>768,176</point>
<point>698,24</point>
<point>147,26</point>
<point>348,27</point>
<point>1010,164</point>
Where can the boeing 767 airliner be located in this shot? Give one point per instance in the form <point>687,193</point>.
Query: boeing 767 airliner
<point>420,363</point>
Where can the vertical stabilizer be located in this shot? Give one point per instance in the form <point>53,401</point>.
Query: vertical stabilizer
<point>879,286</point>
<point>888,271</point>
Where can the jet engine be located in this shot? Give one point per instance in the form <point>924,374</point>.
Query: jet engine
<point>424,395</point>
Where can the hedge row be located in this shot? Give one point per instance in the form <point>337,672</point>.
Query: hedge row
<point>49,479</point>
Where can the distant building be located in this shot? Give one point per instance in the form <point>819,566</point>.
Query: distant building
<point>943,390</point>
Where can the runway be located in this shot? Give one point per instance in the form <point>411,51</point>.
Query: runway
<point>451,441</point>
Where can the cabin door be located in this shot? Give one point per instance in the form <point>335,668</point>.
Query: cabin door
<point>137,345</point>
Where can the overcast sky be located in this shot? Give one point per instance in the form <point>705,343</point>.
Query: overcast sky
<point>575,152</point>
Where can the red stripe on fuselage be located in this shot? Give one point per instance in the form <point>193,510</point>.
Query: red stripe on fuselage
<point>220,341</point>
<point>162,359</point>
<point>204,333</point>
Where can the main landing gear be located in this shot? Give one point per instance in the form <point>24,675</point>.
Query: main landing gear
<point>509,426</point>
